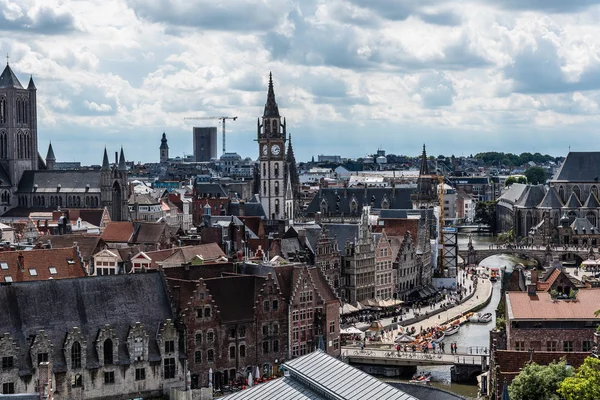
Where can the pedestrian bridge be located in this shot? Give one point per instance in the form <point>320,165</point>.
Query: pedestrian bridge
<point>473,255</point>
<point>385,357</point>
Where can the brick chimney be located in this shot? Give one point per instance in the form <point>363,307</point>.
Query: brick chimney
<point>534,277</point>
<point>45,381</point>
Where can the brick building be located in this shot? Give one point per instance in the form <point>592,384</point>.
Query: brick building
<point>358,265</point>
<point>108,337</point>
<point>234,323</point>
<point>384,272</point>
<point>328,260</point>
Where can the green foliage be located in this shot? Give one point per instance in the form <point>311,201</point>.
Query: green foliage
<point>485,213</point>
<point>539,381</point>
<point>585,385</point>
<point>536,175</point>
<point>512,160</point>
<point>572,294</point>
<point>554,293</point>
<point>500,324</point>
<point>515,179</point>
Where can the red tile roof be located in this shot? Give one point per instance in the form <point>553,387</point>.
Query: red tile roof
<point>117,232</point>
<point>35,265</point>
<point>521,306</point>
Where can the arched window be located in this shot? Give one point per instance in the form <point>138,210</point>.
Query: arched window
<point>60,201</point>
<point>276,188</point>
<point>264,169</point>
<point>264,188</point>
<point>592,218</point>
<point>353,206</point>
<point>3,145</point>
<point>323,207</point>
<point>528,222</point>
<point>572,215</point>
<point>594,190</point>
<point>274,127</point>
<point>577,192</point>
<point>2,110</point>
<point>556,220</point>
<point>276,170</point>
<point>276,206</point>
<point>561,193</point>
<point>108,352</point>
<point>76,355</point>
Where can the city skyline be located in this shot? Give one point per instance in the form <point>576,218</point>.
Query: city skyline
<point>350,76</point>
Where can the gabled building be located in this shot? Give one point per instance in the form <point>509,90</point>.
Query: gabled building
<point>40,264</point>
<point>62,327</point>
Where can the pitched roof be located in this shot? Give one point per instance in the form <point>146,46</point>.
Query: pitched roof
<point>581,225</point>
<point>531,197</point>
<point>118,232</point>
<point>343,233</point>
<point>551,200</point>
<point>318,372</point>
<point>398,198</point>
<point>50,155</point>
<point>56,306</point>
<point>573,201</point>
<point>514,192</point>
<point>80,181</point>
<point>87,244</point>
<point>148,232</point>
<point>8,79</point>
<point>522,306</point>
<point>241,306</point>
<point>592,201</point>
<point>580,167</point>
<point>208,252</point>
<point>35,265</point>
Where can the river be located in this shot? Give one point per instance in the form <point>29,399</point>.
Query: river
<point>472,335</point>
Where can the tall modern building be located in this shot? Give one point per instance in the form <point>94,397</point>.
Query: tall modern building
<point>205,143</point>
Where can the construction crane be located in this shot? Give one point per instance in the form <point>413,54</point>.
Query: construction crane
<point>222,119</point>
<point>441,201</point>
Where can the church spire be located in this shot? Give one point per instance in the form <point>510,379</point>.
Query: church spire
<point>163,142</point>
<point>122,165</point>
<point>50,154</point>
<point>105,164</point>
<point>271,109</point>
<point>424,167</point>
<point>31,85</point>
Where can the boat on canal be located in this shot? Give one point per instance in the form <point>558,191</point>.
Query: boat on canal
<point>453,330</point>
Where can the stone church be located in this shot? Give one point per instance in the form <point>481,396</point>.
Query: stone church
<point>275,179</point>
<point>29,182</point>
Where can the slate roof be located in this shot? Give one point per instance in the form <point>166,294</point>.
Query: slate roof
<point>580,167</point>
<point>317,373</point>
<point>398,198</point>
<point>34,265</point>
<point>148,232</point>
<point>4,178</point>
<point>56,306</point>
<point>117,232</point>
<point>251,209</point>
<point>531,197</point>
<point>8,79</point>
<point>91,215</point>
<point>239,307</point>
<point>210,190</point>
<point>581,225</point>
<point>592,201</point>
<point>70,181</point>
<point>87,244</point>
<point>343,233</point>
<point>551,200</point>
<point>142,199</point>
<point>573,202</point>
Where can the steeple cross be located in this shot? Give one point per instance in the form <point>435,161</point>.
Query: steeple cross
<point>6,58</point>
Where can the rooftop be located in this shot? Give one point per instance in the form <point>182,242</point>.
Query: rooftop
<point>522,306</point>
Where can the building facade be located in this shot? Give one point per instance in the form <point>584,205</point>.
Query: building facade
<point>328,260</point>
<point>164,149</point>
<point>384,272</point>
<point>205,143</point>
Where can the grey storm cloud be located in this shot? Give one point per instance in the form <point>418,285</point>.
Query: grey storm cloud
<point>212,15</point>
<point>45,20</point>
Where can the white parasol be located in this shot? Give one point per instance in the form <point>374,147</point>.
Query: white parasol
<point>210,377</point>
<point>250,381</point>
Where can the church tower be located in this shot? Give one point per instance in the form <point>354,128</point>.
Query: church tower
<point>114,188</point>
<point>426,196</point>
<point>50,158</point>
<point>271,145</point>
<point>164,149</point>
<point>18,127</point>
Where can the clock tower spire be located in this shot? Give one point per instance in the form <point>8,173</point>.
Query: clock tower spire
<point>271,142</point>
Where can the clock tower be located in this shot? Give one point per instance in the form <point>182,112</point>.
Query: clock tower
<point>272,170</point>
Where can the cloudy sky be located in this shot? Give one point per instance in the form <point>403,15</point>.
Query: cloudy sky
<point>351,76</point>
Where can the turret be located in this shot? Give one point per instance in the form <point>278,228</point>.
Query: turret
<point>122,165</point>
<point>105,163</point>
<point>164,149</point>
<point>50,158</point>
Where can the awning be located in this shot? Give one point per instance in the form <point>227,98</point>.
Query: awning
<point>348,309</point>
<point>351,331</point>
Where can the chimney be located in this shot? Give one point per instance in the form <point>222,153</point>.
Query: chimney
<point>531,289</point>
<point>21,262</point>
<point>534,277</point>
<point>45,381</point>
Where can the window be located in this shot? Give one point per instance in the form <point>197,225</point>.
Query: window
<point>140,374</point>
<point>7,362</point>
<point>210,355</point>
<point>108,351</point>
<point>265,347</point>
<point>275,346</point>
<point>109,377</point>
<point>198,337</point>
<point>77,381</point>
<point>265,330</point>
<point>551,346</point>
<point>207,312</point>
<point>138,349</point>
<point>331,326</point>
<point>336,344</point>
<point>587,345</point>
<point>198,356</point>
<point>232,333</point>
<point>42,357</point>
<point>242,332</point>
<point>242,350</point>
<point>275,305</point>
<point>276,328</point>
<point>568,346</point>
<point>210,336</point>
<point>169,368</point>
<point>8,279</point>
<point>32,272</point>
<point>76,355</point>
<point>169,346</point>
<point>3,265</point>
<point>8,388</point>
<point>266,305</point>
<point>52,270</point>
<point>232,352</point>
<point>520,346</point>
<point>199,313</point>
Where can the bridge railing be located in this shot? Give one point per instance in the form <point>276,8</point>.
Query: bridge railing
<point>442,358</point>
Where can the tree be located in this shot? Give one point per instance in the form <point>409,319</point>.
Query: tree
<point>539,381</point>
<point>485,213</point>
<point>510,180</point>
<point>585,385</point>
<point>536,175</point>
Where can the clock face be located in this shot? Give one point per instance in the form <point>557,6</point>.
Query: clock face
<point>265,150</point>
<point>275,150</point>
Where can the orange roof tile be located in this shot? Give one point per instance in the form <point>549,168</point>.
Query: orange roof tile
<point>119,232</point>
<point>35,265</point>
<point>521,306</point>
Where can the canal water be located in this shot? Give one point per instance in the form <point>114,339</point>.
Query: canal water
<point>472,335</point>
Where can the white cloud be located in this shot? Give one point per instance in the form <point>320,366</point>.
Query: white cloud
<point>349,74</point>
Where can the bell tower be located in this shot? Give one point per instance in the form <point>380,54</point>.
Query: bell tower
<point>271,147</point>
<point>164,149</point>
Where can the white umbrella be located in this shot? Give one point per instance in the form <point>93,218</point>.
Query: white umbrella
<point>250,381</point>
<point>257,373</point>
<point>351,330</point>
<point>210,376</point>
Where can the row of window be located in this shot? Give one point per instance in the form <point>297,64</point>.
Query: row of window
<point>303,314</point>
<point>270,305</point>
<point>567,345</point>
